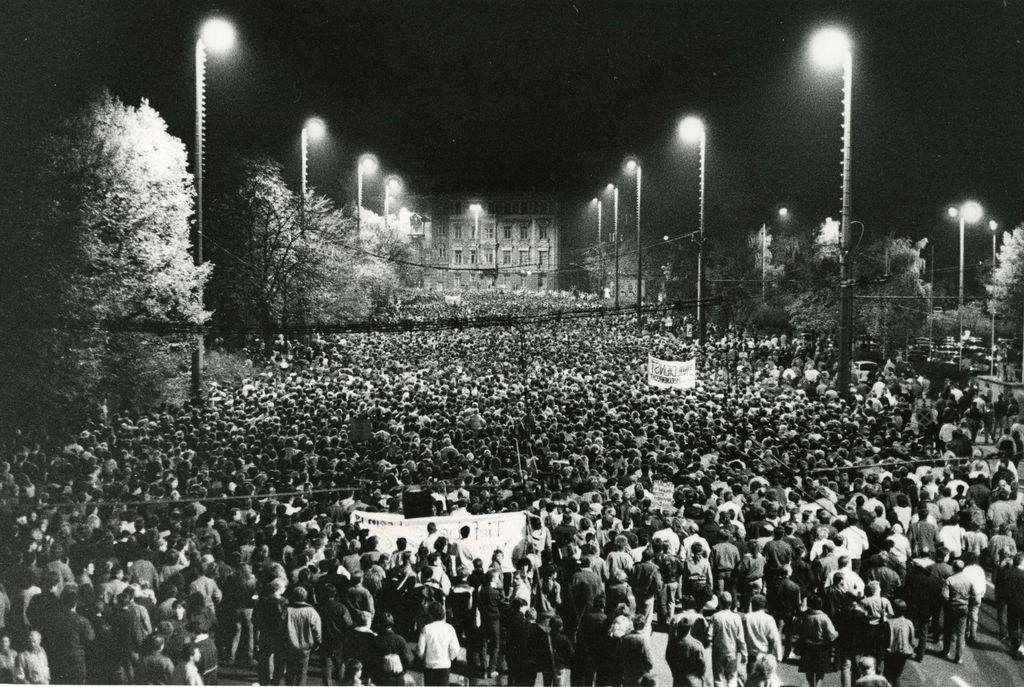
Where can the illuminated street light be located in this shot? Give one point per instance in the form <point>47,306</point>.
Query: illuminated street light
<point>367,165</point>
<point>693,131</point>
<point>994,228</point>
<point>783,213</point>
<point>392,185</point>
<point>216,36</point>
<point>969,212</point>
<point>633,166</point>
<point>313,129</point>
<point>476,209</point>
<point>600,211</point>
<point>831,48</point>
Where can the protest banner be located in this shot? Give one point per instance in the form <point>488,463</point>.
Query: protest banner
<point>671,374</point>
<point>486,532</point>
<point>661,495</point>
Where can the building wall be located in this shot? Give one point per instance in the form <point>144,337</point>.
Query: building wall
<point>516,247</point>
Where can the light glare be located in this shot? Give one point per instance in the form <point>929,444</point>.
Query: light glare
<point>631,165</point>
<point>993,225</point>
<point>218,35</point>
<point>829,47</point>
<point>972,212</point>
<point>953,212</point>
<point>368,164</point>
<point>783,213</point>
<point>315,128</point>
<point>691,129</point>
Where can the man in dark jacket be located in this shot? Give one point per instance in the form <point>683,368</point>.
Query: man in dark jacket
<point>646,588</point>
<point>923,594</point>
<point>269,617</point>
<point>590,637</point>
<point>1015,600</point>
<point>336,622</point>
<point>489,603</point>
<point>70,639</point>
<point>304,632</point>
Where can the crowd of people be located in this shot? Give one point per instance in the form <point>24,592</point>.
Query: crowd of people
<point>847,533</point>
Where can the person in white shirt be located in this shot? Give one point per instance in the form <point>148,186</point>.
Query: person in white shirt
<point>952,537</point>
<point>855,541</point>
<point>976,574</point>
<point>671,539</point>
<point>762,632</point>
<point>438,646</point>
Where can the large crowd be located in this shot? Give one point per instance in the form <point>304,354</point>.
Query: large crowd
<point>846,532</point>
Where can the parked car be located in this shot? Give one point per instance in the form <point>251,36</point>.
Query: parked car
<point>864,370</point>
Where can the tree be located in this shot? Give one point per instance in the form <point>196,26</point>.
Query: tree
<point>97,236</point>
<point>1007,288</point>
<point>281,261</point>
<point>892,298</point>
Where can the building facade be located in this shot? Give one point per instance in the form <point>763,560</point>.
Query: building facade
<point>505,243</point>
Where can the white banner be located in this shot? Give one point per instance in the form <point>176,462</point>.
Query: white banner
<point>486,532</point>
<point>676,374</point>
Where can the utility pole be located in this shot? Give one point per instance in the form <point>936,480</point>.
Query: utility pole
<point>616,232</point>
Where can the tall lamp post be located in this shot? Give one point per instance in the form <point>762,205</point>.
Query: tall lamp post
<point>692,130</point>
<point>368,164</point>
<point>783,214</point>
<point>994,227</point>
<point>634,166</point>
<point>829,48</point>
<point>392,186</point>
<point>969,212</point>
<point>615,237</point>
<point>313,129</point>
<point>596,202</point>
<point>217,35</point>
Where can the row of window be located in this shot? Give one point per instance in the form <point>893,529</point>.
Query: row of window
<point>507,230</point>
<point>508,207</point>
<point>469,257</point>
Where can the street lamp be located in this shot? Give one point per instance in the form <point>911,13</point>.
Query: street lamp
<point>314,128</point>
<point>392,185</point>
<point>968,213</point>
<point>633,166</point>
<point>783,214</point>
<point>829,48</point>
<point>693,131</point>
<point>217,35</point>
<point>476,209</point>
<point>600,258</point>
<point>994,228</point>
<point>615,235</point>
<point>368,164</point>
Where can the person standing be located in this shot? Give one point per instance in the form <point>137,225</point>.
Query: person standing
<point>335,621</point>
<point>269,618</point>
<point>959,593</point>
<point>762,632</point>
<point>303,632</point>
<point>684,654</point>
<point>901,643</point>
<point>728,643</point>
<point>70,639</point>
<point>489,604</point>
<point>438,646</point>
<point>32,667</point>
<point>816,637</point>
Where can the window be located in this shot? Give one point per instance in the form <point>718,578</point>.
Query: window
<point>489,231</point>
<point>458,257</point>
<point>507,232</point>
<point>506,257</point>
<point>515,207</point>
<point>532,207</point>
<point>542,230</point>
<point>457,231</point>
<point>442,230</point>
<point>507,208</point>
<point>543,208</point>
<point>524,257</point>
<point>524,231</point>
<point>472,257</point>
<point>489,258</point>
<point>542,258</point>
<point>442,252</point>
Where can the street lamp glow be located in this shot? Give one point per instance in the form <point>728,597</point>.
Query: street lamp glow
<point>609,188</point>
<point>993,225</point>
<point>953,212</point>
<point>972,212</point>
<point>393,185</point>
<point>475,208</point>
<point>315,128</point>
<point>691,129</point>
<point>631,165</point>
<point>830,47</point>
<point>783,213</point>
<point>218,35</point>
<point>368,164</point>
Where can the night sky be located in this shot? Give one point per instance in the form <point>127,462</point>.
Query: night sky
<point>551,96</point>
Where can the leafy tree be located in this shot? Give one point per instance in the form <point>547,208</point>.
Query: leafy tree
<point>892,304</point>
<point>1007,288</point>
<point>97,234</point>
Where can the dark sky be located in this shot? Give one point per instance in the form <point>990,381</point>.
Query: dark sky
<point>552,95</point>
